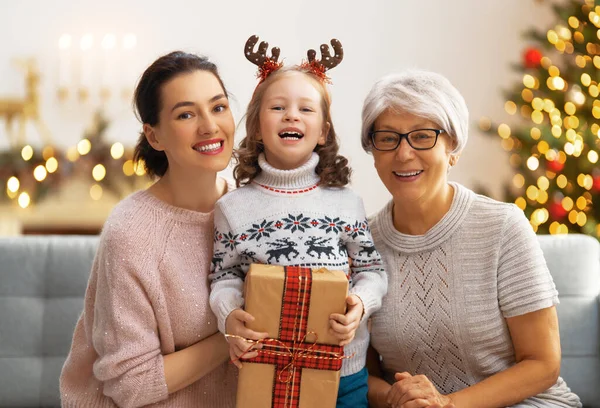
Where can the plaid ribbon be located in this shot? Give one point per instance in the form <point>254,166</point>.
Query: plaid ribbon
<point>291,352</point>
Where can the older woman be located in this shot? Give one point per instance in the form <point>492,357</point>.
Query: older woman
<point>470,315</point>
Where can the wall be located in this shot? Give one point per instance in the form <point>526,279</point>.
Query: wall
<point>472,42</point>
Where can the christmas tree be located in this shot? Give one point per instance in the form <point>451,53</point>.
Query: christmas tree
<point>555,140</point>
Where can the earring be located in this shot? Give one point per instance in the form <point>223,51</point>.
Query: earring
<point>451,163</point>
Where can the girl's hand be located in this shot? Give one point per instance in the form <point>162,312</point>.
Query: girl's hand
<point>415,392</point>
<point>236,325</point>
<point>344,326</point>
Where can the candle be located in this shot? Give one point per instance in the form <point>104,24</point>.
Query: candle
<point>64,65</point>
<point>108,65</point>
<point>129,70</point>
<point>85,74</point>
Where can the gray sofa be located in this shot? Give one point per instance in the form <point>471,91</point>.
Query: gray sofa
<point>43,280</point>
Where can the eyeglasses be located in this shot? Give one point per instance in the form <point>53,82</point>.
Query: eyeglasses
<point>420,139</point>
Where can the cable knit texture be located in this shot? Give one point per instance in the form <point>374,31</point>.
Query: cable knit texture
<point>451,289</point>
<point>285,218</point>
<point>147,296</point>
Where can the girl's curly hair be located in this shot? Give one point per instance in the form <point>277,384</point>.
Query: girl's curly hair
<point>333,168</point>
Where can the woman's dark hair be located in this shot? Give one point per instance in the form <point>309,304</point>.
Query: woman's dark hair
<point>147,101</point>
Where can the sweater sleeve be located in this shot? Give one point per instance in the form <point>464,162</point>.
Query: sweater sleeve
<point>226,274</point>
<point>124,329</point>
<point>367,275</point>
<point>524,282</point>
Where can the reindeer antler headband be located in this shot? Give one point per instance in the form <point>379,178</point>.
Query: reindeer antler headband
<point>327,62</point>
<point>266,64</point>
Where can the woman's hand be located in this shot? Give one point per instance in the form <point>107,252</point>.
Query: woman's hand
<point>236,325</point>
<point>415,392</point>
<point>344,326</point>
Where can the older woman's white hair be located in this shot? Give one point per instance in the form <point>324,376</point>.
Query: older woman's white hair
<point>421,93</point>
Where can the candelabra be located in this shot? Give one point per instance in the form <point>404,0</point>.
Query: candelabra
<point>96,67</point>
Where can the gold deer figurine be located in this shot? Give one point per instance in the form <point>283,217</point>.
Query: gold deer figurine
<point>26,108</point>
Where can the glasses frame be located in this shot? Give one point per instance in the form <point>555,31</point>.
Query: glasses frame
<point>404,136</point>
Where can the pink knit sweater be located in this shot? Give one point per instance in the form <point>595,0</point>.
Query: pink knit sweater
<point>147,297</point>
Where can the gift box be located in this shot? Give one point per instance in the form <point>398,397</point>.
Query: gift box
<point>298,365</point>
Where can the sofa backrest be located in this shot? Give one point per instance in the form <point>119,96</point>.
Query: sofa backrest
<point>42,285</point>
<point>43,281</point>
<point>574,262</point>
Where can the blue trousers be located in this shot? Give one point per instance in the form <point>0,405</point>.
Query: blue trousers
<point>353,390</point>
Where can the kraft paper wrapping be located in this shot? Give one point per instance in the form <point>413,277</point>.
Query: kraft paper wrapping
<point>263,297</point>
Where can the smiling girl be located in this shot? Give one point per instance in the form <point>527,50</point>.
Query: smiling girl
<point>293,209</point>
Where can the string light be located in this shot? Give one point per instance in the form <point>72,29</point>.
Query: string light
<point>561,181</point>
<point>529,81</point>
<point>139,169</point>
<point>573,22</point>
<point>128,168</point>
<point>537,117</point>
<point>527,95</point>
<point>533,163</point>
<point>13,184</point>
<point>518,180</point>
<point>532,193</point>
<point>51,165</point>
<point>96,192</point>
<point>504,131</point>
<point>27,152</point>
<point>586,79</point>
<point>84,146</point>
<point>510,107</point>
<point>24,200</point>
<point>567,203</point>
<point>117,150</point>
<point>40,173</point>
<point>98,172</point>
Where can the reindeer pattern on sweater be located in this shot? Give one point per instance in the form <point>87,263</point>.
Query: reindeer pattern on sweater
<point>294,240</point>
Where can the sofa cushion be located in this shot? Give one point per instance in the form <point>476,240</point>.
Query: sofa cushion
<point>41,297</point>
<point>574,262</point>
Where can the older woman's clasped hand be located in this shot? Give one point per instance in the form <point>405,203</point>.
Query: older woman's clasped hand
<point>416,392</point>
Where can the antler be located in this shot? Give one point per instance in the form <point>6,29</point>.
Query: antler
<point>260,56</point>
<point>26,64</point>
<point>327,61</point>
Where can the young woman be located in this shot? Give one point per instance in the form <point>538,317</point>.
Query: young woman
<point>147,334</point>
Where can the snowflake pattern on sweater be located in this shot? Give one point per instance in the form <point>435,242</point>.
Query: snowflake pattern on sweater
<point>285,218</point>
<point>295,239</point>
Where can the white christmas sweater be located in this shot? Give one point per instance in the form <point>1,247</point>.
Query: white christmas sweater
<point>285,218</point>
